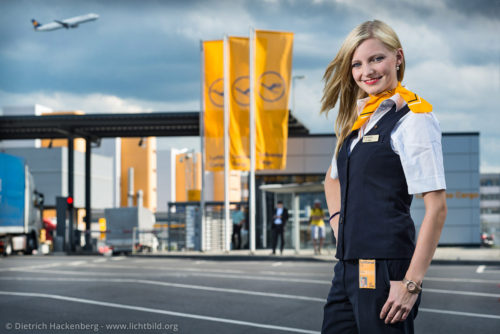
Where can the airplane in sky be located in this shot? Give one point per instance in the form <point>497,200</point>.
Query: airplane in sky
<point>68,23</point>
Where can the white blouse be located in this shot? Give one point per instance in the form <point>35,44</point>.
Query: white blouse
<point>416,138</point>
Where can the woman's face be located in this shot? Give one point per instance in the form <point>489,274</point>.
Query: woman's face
<point>374,66</point>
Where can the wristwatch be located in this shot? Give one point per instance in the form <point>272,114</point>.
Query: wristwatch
<point>411,286</point>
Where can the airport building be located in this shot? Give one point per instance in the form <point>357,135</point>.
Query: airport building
<point>490,204</point>
<point>309,157</point>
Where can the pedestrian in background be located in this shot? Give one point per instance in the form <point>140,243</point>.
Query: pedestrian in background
<point>280,219</point>
<point>238,218</point>
<point>388,148</point>
<point>316,220</point>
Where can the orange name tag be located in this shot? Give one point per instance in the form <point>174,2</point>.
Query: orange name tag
<point>367,274</point>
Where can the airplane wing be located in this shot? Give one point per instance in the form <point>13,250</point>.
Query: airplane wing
<point>75,21</point>
<point>62,23</point>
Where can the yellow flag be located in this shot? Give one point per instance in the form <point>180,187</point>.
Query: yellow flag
<point>273,66</point>
<point>239,106</point>
<point>213,104</point>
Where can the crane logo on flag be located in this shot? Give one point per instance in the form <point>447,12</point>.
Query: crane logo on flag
<point>241,90</point>
<point>216,93</point>
<point>271,86</point>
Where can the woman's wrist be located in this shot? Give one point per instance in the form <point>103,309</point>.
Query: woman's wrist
<point>334,215</point>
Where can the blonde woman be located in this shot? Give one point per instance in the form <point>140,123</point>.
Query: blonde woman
<point>388,148</point>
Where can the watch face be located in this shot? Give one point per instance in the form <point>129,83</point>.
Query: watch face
<point>412,287</point>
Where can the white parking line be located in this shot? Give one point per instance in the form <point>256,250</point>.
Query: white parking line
<point>163,268</point>
<point>158,311</point>
<point>100,260</point>
<point>467,314</point>
<point>293,273</point>
<point>267,278</point>
<point>465,293</point>
<point>38,266</point>
<point>460,280</point>
<point>118,258</point>
<point>77,263</point>
<point>480,269</point>
<point>277,264</point>
<point>174,285</point>
<point>97,273</point>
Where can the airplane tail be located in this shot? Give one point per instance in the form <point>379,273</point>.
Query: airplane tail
<point>36,24</point>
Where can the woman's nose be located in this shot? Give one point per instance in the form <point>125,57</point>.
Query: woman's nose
<point>368,69</point>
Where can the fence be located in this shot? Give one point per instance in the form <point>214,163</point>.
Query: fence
<point>181,229</point>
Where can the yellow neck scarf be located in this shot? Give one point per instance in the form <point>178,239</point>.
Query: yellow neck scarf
<point>414,102</point>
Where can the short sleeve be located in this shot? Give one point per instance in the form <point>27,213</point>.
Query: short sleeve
<point>418,142</point>
<point>333,171</point>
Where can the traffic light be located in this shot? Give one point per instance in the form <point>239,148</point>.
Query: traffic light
<point>69,201</point>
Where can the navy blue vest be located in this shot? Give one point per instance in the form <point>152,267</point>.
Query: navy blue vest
<point>375,221</point>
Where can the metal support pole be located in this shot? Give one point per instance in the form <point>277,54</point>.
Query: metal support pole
<point>71,166</point>
<point>227,225</point>
<point>296,222</point>
<point>130,191</point>
<point>88,197</point>
<point>61,210</point>
<point>202,147</point>
<point>251,187</point>
<point>264,219</point>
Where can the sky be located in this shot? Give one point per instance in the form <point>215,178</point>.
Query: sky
<point>144,55</point>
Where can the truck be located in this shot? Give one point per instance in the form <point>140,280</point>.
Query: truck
<point>20,207</point>
<point>121,226</point>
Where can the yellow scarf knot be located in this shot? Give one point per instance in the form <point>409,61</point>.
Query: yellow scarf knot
<point>414,102</point>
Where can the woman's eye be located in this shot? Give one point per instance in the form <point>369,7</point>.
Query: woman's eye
<point>380,58</point>
<point>356,65</point>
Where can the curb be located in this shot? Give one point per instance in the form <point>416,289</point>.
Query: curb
<point>285,258</point>
<point>249,257</point>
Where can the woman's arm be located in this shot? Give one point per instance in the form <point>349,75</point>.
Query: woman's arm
<point>400,301</point>
<point>332,194</point>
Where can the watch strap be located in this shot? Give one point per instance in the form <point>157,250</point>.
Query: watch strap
<point>406,282</point>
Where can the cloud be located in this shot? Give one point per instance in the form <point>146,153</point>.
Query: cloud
<point>145,55</point>
<point>93,103</point>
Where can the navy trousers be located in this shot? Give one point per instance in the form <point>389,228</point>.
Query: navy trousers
<point>278,231</point>
<point>350,310</point>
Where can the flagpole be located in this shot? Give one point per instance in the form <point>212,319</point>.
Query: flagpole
<point>202,148</point>
<point>227,236</point>
<point>252,142</point>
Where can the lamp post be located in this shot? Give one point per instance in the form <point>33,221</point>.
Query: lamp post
<point>295,77</point>
<point>295,198</point>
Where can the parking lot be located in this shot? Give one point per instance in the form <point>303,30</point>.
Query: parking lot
<point>84,294</point>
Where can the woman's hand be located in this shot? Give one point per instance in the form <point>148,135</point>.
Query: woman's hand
<point>398,304</point>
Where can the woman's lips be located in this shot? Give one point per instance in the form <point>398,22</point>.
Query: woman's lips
<point>372,81</point>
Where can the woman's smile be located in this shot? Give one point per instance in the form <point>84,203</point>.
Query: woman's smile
<point>372,81</point>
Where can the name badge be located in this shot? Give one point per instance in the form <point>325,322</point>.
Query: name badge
<point>370,139</point>
<point>366,274</point>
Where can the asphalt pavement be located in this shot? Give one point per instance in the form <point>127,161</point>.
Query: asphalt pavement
<point>95,294</point>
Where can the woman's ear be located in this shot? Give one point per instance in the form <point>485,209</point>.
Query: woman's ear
<point>399,56</point>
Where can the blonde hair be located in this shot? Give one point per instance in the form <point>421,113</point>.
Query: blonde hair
<point>339,83</point>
